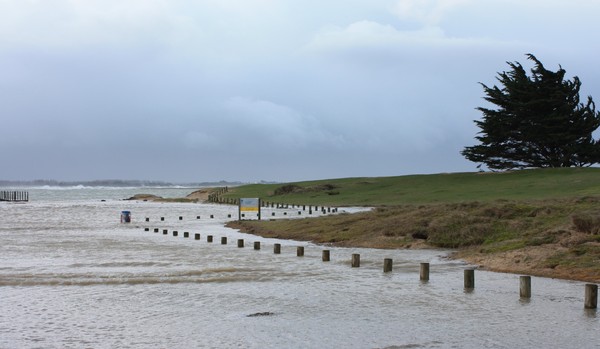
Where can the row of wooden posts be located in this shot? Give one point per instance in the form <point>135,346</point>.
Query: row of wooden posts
<point>324,211</point>
<point>162,219</point>
<point>8,195</point>
<point>591,290</point>
<point>216,197</point>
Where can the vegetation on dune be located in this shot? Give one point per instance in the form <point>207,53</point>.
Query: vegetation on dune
<point>540,222</point>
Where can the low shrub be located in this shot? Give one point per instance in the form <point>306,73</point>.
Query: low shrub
<point>586,222</point>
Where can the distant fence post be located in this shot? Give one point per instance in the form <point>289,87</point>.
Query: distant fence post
<point>424,272</point>
<point>525,286</point>
<point>591,296</point>
<point>469,279</point>
<point>387,265</point>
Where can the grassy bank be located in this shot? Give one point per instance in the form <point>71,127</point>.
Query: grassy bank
<point>539,222</point>
<point>437,188</point>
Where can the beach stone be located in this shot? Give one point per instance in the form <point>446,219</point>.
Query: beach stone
<point>266,313</point>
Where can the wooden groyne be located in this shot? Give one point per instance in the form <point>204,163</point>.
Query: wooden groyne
<point>10,195</point>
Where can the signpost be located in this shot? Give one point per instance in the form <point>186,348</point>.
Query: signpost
<point>249,205</point>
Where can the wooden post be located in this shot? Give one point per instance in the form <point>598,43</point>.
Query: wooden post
<point>326,256</point>
<point>277,248</point>
<point>591,296</point>
<point>240,243</point>
<point>209,238</point>
<point>175,233</point>
<point>424,272</point>
<point>525,286</point>
<point>387,265</point>
<point>257,245</point>
<point>469,279</point>
<point>300,251</point>
<point>224,240</point>
<point>355,260</point>
<point>197,236</point>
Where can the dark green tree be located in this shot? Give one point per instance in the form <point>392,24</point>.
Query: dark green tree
<point>539,122</point>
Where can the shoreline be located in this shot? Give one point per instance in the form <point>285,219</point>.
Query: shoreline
<point>524,261</point>
<point>550,259</point>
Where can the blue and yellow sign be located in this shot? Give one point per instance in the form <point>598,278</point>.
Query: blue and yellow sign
<point>249,205</point>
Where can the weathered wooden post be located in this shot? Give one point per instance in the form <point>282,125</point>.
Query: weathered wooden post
<point>525,286</point>
<point>186,234</point>
<point>197,236</point>
<point>257,245</point>
<point>224,240</point>
<point>469,279</point>
<point>326,256</point>
<point>300,251</point>
<point>355,260</point>
<point>387,265</point>
<point>277,248</point>
<point>240,243</point>
<point>591,296</point>
<point>209,238</point>
<point>424,272</point>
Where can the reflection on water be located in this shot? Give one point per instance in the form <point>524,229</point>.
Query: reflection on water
<point>72,276</point>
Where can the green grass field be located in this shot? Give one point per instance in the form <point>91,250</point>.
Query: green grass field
<point>535,184</point>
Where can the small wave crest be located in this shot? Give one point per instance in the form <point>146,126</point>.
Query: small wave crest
<point>216,275</point>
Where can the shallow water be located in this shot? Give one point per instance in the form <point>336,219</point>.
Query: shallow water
<point>73,276</point>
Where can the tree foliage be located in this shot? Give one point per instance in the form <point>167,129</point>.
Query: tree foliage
<point>539,122</point>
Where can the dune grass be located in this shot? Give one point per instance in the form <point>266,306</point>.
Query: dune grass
<point>554,213</point>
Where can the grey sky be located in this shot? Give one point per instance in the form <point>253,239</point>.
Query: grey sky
<point>263,89</point>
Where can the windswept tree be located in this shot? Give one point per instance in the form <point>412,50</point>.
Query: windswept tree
<point>539,122</point>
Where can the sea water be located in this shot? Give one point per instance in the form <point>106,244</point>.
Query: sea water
<point>73,276</point>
